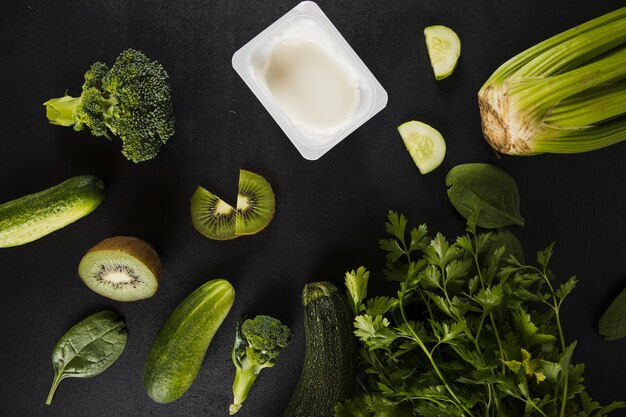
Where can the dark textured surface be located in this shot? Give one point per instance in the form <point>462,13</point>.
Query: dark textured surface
<point>330,212</point>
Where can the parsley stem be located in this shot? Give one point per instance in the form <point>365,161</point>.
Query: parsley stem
<point>422,346</point>
<point>565,371</point>
<point>491,319</point>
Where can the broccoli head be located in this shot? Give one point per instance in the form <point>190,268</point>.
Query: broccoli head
<point>131,100</point>
<point>258,342</point>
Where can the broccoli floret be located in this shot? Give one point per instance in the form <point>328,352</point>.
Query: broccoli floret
<point>131,100</point>
<point>258,342</point>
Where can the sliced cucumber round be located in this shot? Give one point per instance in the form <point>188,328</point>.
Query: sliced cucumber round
<point>444,49</point>
<point>425,144</point>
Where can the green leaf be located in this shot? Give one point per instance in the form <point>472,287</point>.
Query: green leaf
<point>378,306</point>
<point>472,285</point>
<point>615,405</point>
<point>442,304</point>
<point>356,284</point>
<point>351,408</point>
<point>485,189</point>
<point>393,249</point>
<point>457,270</point>
<point>439,252</point>
<point>543,256</point>
<point>503,238</point>
<point>419,238</point>
<point>431,275</point>
<point>566,357</point>
<point>396,272</point>
<point>489,297</point>
<point>612,324</point>
<point>565,289</point>
<point>367,326</point>
<point>88,348</point>
<point>465,243</point>
<point>513,365</point>
<point>551,370</point>
<point>396,225</point>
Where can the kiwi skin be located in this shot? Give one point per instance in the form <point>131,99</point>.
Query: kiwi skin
<point>134,247</point>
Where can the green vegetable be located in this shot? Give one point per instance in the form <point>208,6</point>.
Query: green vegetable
<point>35,215</point>
<point>612,324</point>
<point>329,362</point>
<point>425,145</point>
<point>179,348</point>
<point>258,342</point>
<point>470,333</point>
<point>444,49</point>
<point>487,190</point>
<point>131,100</point>
<point>564,95</point>
<point>88,348</point>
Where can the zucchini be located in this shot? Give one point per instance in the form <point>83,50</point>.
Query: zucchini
<point>179,348</point>
<point>328,375</point>
<point>35,215</point>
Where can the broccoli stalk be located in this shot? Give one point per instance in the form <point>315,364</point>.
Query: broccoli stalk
<point>131,100</point>
<point>258,342</point>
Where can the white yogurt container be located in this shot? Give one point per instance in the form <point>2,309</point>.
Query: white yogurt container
<point>310,80</point>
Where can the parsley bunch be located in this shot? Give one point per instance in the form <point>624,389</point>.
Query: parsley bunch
<point>473,331</point>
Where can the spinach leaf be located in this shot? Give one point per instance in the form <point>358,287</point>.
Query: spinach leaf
<point>503,237</point>
<point>485,189</point>
<point>88,348</point>
<point>612,324</point>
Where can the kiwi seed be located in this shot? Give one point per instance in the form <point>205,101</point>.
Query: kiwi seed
<point>121,268</point>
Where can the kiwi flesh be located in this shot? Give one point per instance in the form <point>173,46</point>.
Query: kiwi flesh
<point>122,268</point>
<point>255,203</point>
<point>212,216</point>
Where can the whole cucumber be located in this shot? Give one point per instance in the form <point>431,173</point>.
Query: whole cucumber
<point>178,350</point>
<point>328,374</point>
<point>35,215</point>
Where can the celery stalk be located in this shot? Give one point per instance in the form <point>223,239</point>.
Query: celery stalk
<point>564,95</point>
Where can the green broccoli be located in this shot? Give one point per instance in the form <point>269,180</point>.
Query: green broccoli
<point>131,100</point>
<point>258,342</point>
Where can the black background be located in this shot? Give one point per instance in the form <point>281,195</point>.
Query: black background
<point>330,212</point>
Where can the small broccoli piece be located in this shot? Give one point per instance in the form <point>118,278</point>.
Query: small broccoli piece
<point>131,100</point>
<point>258,342</point>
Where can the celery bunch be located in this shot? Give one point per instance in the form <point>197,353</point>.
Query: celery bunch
<point>566,94</point>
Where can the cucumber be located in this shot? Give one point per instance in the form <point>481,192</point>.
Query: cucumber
<point>425,144</point>
<point>179,348</point>
<point>35,215</point>
<point>444,49</point>
<point>328,374</point>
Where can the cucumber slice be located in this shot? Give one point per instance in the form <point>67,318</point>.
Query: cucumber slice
<point>444,49</point>
<point>425,144</point>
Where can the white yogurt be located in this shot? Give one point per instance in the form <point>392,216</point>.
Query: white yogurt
<point>309,79</point>
<point>310,85</point>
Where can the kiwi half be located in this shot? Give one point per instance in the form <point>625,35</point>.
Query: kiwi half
<point>255,203</point>
<point>218,220</point>
<point>212,216</point>
<point>122,268</point>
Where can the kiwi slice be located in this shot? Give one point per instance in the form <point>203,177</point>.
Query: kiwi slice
<point>218,220</point>
<point>212,216</point>
<point>255,203</point>
<point>121,268</point>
